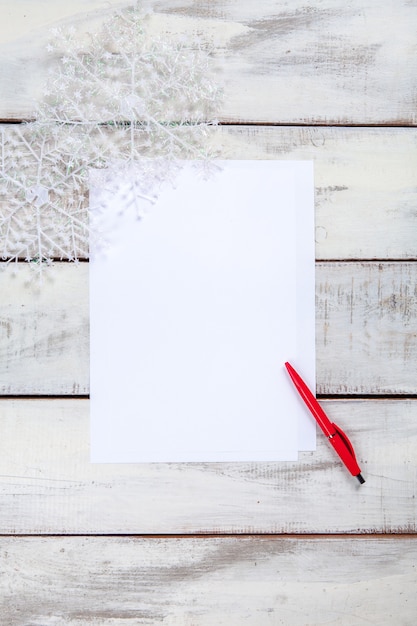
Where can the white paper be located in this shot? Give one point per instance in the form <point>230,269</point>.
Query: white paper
<point>305,361</point>
<point>194,310</point>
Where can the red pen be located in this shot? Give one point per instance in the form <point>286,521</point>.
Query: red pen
<point>334,434</point>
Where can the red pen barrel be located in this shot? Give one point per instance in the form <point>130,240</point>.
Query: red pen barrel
<point>311,402</point>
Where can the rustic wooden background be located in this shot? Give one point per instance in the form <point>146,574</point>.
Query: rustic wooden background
<point>235,544</point>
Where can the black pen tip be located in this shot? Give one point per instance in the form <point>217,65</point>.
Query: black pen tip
<point>360,478</point>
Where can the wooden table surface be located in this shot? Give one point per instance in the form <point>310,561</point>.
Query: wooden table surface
<point>236,544</point>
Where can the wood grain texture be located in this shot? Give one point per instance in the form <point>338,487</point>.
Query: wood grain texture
<point>365,181</point>
<point>366,330</point>
<point>190,582</point>
<point>44,331</point>
<point>366,324</point>
<point>308,61</point>
<point>48,486</point>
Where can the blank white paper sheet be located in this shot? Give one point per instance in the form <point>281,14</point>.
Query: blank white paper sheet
<point>193,311</point>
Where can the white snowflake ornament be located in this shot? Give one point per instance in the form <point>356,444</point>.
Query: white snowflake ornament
<point>132,106</point>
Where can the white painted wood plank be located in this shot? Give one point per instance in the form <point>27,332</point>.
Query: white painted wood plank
<point>48,486</point>
<point>366,323</point>
<point>365,180</point>
<point>44,331</point>
<point>249,581</point>
<point>366,330</point>
<point>307,62</point>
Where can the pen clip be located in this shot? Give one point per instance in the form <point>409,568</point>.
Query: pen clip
<point>344,448</point>
<point>344,438</point>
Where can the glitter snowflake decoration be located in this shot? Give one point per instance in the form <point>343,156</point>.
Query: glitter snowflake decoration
<point>123,103</point>
<point>43,206</point>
